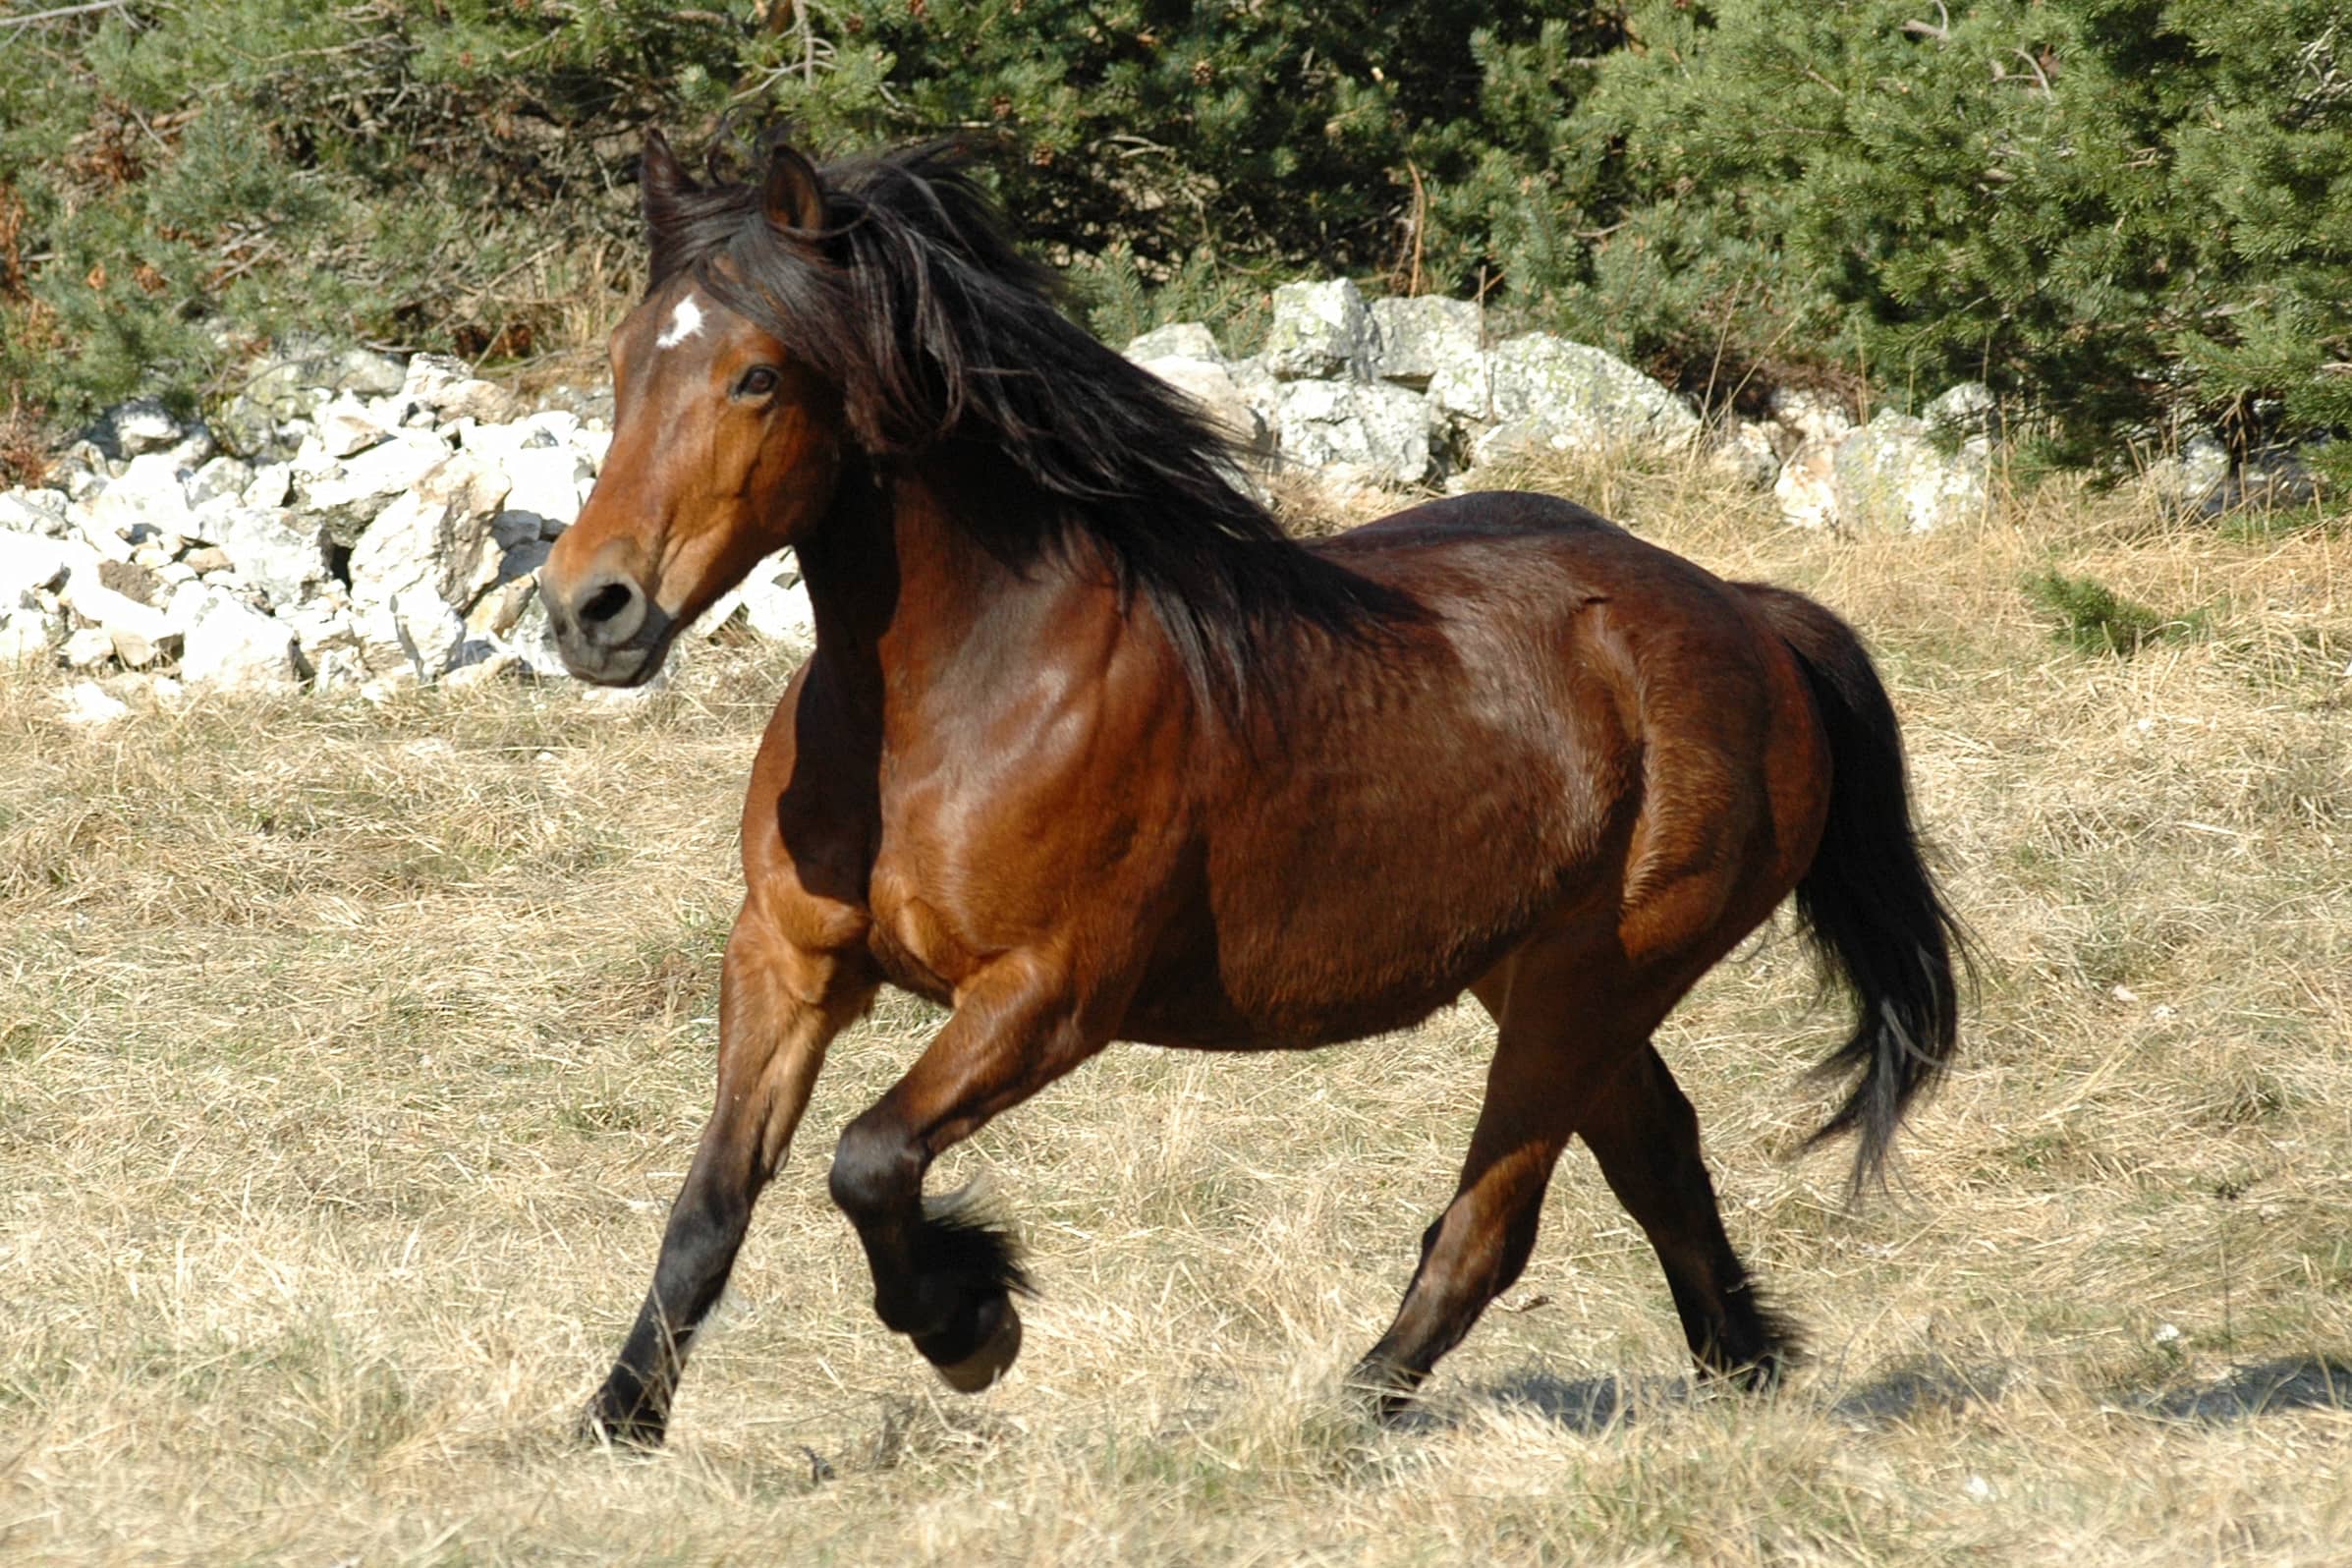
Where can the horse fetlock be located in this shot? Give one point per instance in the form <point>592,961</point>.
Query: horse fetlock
<point>875,1171</point>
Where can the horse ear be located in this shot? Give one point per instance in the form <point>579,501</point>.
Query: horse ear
<point>794,194</point>
<point>661,180</point>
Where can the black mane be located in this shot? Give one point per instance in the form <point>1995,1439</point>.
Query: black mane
<point>915,301</point>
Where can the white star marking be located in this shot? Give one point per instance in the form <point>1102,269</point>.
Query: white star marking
<point>685,322</point>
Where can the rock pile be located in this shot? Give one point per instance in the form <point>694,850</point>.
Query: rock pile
<point>348,521</point>
<point>1403,392</point>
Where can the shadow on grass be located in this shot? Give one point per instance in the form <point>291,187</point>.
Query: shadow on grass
<point>2265,1388</point>
<point>1588,1406</point>
<point>1917,1389</point>
<point>1585,1406</point>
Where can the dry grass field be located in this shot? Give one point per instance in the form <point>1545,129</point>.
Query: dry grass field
<point>350,1055</point>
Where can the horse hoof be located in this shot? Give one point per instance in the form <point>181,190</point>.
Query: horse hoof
<point>610,1423</point>
<point>1389,1392</point>
<point>986,1365</point>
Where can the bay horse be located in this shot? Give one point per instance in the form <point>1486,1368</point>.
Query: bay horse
<point>1088,750</point>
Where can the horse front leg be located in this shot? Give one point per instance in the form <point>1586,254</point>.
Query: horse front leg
<point>781,1001</point>
<point>944,1278</point>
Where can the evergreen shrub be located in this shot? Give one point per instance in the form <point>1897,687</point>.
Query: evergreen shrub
<point>2119,213</point>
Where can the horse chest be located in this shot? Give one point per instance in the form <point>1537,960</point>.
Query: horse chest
<point>930,941</point>
<point>911,943</point>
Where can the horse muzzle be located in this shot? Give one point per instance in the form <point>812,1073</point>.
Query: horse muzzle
<point>607,628</point>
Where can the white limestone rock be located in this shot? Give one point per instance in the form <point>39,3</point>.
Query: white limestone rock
<point>775,602</point>
<point>519,553</point>
<point>346,495</point>
<point>1257,386</point>
<point>423,561</point>
<point>1806,490</point>
<point>146,501</point>
<point>1211,383</point>
<point>37,512</point>
<point>546,461</point>
<point>361,371</point>
<point>35,562</point>
<point>140,633</point>
<point>1550,394</point>
<point>323,626</point>
<point>28,636</point>
<point>1810,416</point>
<point>89,705</point>
<point>272,484</point>
<point>480,663</point>
<point>1426,338</point>
<point>89,649</point>
<point>349,425</point>
<point>282,553</point>
<point>1968,412</point>
<point>549,484</point>
<point>429,374</point>
<point>1321,331</point>
<point>1891,474</point>
<point>230,647</point>
<point>1178,340</point>
<point>484,401</point>
<point>1362,432</point>
<point>1743,452</point>
<point>216,478</point>
<point>138,426</point>
<point>533,641</point>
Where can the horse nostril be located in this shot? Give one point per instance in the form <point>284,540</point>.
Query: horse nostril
<point>607,602</point>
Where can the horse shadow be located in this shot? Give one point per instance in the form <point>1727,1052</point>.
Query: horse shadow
<point>1590,1405</point>
<point>2259,1388</point>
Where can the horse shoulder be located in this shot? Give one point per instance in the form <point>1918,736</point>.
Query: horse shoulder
<point>1041,819</point>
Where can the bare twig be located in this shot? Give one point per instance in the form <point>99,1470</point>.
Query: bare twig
<point>1940,29</point>
<point>1420,221</point>
<point>60,13</point>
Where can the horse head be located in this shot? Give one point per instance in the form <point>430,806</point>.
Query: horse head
<point>726,445</point>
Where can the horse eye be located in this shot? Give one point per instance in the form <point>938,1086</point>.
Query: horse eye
<point>757,382</point>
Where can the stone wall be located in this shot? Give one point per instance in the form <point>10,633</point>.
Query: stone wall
<point>1409,392</point>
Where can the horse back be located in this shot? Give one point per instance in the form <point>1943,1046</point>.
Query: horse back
<point>1581,719</point>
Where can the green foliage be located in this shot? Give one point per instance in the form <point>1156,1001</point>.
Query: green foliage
<point>2112,210</point>
<point>178,181</point>
<point>1120,301</point>
<point>2095,619</point>
<point>2117,212</point>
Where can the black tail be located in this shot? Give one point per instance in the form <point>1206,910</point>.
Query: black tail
<point>1870,904</point>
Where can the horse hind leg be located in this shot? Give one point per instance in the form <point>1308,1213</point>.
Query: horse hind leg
<point>1475,1251</point>
<point>1566,1064</point>
<point>1644,1135</point>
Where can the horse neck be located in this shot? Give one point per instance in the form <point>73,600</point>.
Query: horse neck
<point>909,603</point>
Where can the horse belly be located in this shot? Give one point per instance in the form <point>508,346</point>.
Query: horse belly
<point>1386,900</point>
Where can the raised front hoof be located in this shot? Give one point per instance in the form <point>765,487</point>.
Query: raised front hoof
<point>620,1418</point>
<point>979,1348</point>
